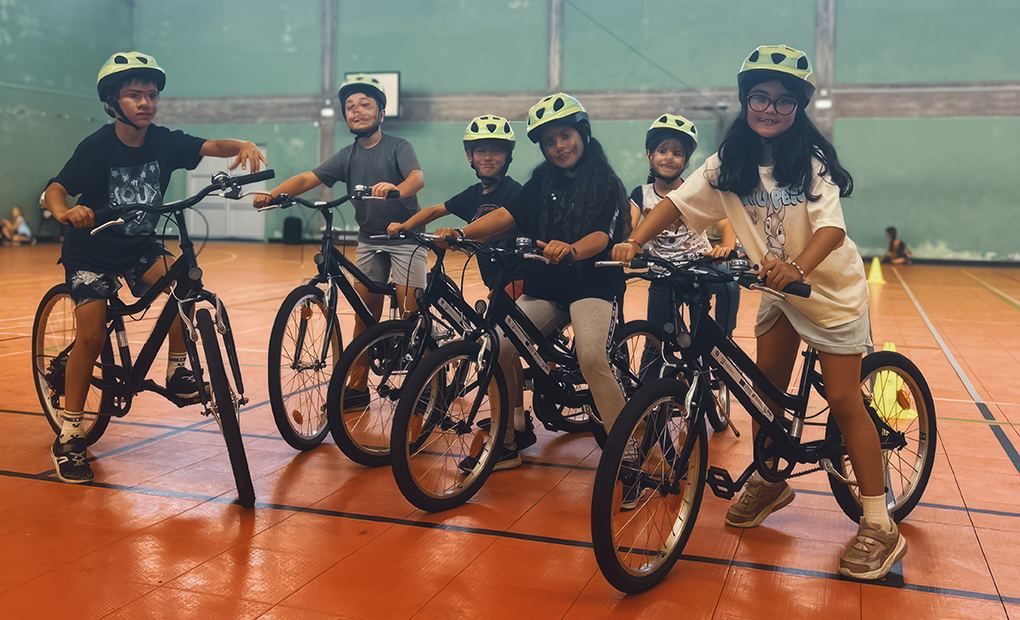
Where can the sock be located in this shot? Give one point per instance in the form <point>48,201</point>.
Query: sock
<point>519,420</point>
<point>175,361</point>
<point>70,426</point>
<point>876,512</point>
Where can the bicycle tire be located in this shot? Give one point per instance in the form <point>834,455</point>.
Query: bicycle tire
<point>636,545</point>
<point>894,389</point>
<point>53,333</point>
<point>225,409</point>
<point>298,379</point>
<point>432,434</point>
<point>362,431</point>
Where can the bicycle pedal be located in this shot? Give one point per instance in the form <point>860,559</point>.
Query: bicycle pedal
<point>721,483</point>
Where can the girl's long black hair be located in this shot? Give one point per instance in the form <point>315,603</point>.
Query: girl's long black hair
<point>595,187</point>
<point>741,150</point>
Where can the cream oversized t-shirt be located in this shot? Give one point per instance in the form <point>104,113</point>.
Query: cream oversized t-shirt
<point>773,220</point>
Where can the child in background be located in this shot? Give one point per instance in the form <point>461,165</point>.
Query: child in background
<point>17,231</point>
<point>898,253</point>
<point>779,182</point>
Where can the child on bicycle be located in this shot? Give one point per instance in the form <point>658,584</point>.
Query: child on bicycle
<point>384,163</point>
<point>125,163</point>
<point>669,144</point>
<point>489,145</point>
<point>575,207</point>
<point>779,181</point>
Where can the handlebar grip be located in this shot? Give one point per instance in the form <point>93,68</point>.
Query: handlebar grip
<point>265,175</point>
<point>393,194</point>
<point>800,289</point>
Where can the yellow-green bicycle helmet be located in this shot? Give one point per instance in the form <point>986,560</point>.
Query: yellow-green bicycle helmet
<point>489,127</point>
<point>780,59</point>
<point>672,123</point>
<point>125,65</point>
<point>559,107</point>
<point>361,83</point>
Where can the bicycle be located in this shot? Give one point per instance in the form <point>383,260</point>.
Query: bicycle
<point>452,415</point>
<point>384,355</point>
<point>305,342</point>
<point>117,379</point>
<point>650,480</point>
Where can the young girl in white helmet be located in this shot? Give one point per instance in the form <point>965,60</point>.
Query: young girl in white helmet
<point>779,182</point>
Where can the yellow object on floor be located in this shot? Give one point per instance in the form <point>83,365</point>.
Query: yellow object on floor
<point>875,275</point>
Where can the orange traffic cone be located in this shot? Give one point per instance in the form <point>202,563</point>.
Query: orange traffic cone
<point>875,275</point>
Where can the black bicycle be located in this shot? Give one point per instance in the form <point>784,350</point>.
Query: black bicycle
<point>454,408</point>
<point>370,375</point>
<point>305,343</point>
<point>116,378</point>
<point>649,483</point>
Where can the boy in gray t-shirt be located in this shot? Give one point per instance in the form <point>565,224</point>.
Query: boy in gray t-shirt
<point>384,163</point>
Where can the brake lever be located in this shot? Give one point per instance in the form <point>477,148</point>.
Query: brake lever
<point>111,223</point>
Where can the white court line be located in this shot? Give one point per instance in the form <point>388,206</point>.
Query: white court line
<point>994,289</point>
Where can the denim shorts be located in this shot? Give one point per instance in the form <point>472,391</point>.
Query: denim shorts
<point>86,285</point>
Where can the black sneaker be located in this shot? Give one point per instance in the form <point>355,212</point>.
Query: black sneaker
<point>182,384</point>
<point>71,461</point>
<point>506,459</point>
<point>355,400</point>
<point>523,439</point>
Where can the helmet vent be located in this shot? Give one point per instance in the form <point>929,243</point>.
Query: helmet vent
<point>474,127</point>
<point>663,119</point>
<point>754,56</point>
<point>802,63</point>
<point>539,113</point>
<point>778,58</point>
<point>121,60</point>
<point>142,60</point>
<point>558,105</point>
<point>506,128</point>
<point>694,129</point>
<point>491,127</point>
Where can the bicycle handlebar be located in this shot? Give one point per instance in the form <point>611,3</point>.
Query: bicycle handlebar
<point>230,186</point>
<point>701,268</point>
<point>361,192</point>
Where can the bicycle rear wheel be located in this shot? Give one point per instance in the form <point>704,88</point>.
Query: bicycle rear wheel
<point>379,360</point>
<point>299,374</point>
<point>897,396</point>
<point>440,456</point>
<point>224,407</point>
<point>646,495</point>
<point>53,333</point>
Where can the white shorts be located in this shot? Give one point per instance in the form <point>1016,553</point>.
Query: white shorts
<point>847,339</point>
<point>403,263</point>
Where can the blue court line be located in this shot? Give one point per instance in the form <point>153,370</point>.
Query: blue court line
<point>894,580</point>
<point>996,429</point>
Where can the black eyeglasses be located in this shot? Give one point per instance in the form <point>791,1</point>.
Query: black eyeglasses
<point>760,103</point>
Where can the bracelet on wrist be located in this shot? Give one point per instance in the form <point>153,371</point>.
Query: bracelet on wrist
<point>799,270</point>
<point>459,232</point>
<point>632,240</point>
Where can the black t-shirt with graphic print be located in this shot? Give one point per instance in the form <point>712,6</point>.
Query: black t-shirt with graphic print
<point>105,173</point>
<point>565,283</point>
<point>473,203</point>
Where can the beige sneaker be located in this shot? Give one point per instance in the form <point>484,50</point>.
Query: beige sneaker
<point>872,552</point>
<point>757,502</point>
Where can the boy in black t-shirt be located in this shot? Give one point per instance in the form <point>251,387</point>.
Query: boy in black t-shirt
<point>124,163</point>
<point>489,146</point>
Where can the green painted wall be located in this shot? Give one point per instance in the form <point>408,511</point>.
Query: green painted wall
<point>48,101</point>
<point>947,185</point>
<point>662,44</point>
<point>920,175</point>
<point>929,41</point>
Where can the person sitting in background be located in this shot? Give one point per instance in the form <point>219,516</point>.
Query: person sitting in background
<point>17,232</point>
<point>898,253</point>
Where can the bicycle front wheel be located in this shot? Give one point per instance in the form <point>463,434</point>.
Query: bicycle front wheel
<point>647,493</point>
<point>299,372</point>
<point>440,455</point>
<point>365,387</point>
<point>53,334</point>
<point>897,397</point>
<point>225,409</point>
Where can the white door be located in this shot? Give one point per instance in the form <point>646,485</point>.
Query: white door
<point>227,219</point>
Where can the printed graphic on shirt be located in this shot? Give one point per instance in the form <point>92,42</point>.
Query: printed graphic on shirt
<point>770,206</point>
<point>484,210</point>
<point>136,185</point>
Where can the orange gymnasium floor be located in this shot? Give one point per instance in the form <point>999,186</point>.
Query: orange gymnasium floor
<point>157,536</point>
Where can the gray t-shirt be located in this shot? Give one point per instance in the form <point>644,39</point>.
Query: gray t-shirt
<point>392,160</point>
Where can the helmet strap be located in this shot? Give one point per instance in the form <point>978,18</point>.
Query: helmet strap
<point>112,107</point>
